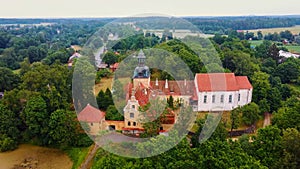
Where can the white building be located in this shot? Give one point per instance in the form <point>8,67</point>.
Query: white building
<point>288,54</point>
<point>222,91</point>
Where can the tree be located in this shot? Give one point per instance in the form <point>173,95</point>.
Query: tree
<point>264,106</point>
<point>8,123</point>
<point>288,71</point>
<point>267,146</point>
<point>36,54</point>
<point>8,80</point>
<point>259,35</point>
<point>273,52</point>
<point>36,117</point>
<point>235,119</point>
<point>250,113</point>
<point>261,51</point>
<point>274,98</point>
<point>288,115</point>
<point>63,128</point>
<point>239,62</point>
<point>152,118</point>
<point>261,86</point>
<point>113,114</point>
<point>291,147</point>
<point>25,66</point>
<point>287,35</point>
<point>110,58</point>
<point>170,102</point>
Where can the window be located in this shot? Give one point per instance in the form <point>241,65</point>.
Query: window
<point>222,98</point>
<point>239,98</point>
<point>134,123</point>
<point>133,106</point>
<point>205,99</point>
<point>230,98</point>
<point>131,115</point>
<point>129,123</point>
<point>213,98</point>
<point>92,124</point>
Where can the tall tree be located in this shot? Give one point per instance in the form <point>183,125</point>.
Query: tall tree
<point>235,119</point>
<point>36,117</point>
<point>261,86</point>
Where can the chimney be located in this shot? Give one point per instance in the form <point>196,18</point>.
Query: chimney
<point>156,82</point>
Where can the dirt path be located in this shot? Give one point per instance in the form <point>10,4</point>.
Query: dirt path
<point>35,157</point>
<point>267,120</point>
<point>87,163</point>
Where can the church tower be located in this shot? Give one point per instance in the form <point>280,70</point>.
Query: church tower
<point>141,75</point>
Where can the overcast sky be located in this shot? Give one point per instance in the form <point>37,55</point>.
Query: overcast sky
<point>110,8</point>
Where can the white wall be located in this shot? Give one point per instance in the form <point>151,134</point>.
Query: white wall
<point>245,98</point>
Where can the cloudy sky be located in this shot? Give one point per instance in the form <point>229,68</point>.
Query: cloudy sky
<point>109,8</point>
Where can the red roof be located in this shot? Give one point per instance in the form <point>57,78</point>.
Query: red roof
<point>91,114</point>
<point>114,66</point>
<point>175,88</point>
<point>221,82</point>
<point>243,82</point>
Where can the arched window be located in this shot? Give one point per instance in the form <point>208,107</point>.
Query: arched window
<point>129,123</point>
<point>134,123</point>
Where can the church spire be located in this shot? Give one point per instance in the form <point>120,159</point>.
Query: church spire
<point>141,58</point>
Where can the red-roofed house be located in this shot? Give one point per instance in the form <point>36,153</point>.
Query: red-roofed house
<point>222,91</point>
<point>93,117</point>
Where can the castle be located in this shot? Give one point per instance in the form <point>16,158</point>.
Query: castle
<point>208,92</point>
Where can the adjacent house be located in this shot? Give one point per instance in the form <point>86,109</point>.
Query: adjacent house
<point>94,118</point>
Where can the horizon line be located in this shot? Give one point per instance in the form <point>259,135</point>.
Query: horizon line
<point>179,16</point>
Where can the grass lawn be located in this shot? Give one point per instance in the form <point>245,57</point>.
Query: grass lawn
<point>255,43</point>
<point>77,155</point>
<point>103,85</point>
<point>293,48</point>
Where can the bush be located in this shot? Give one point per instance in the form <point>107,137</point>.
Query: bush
<point>7,143</point>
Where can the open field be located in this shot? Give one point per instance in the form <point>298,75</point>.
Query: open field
<point>295,49</point>
<point>103,85</point>
<point>294,30</point>
<point>255,43</point>
<point>36,157</point>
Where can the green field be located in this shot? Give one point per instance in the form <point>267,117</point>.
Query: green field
<point>255,42</point>
<point>293,48</point>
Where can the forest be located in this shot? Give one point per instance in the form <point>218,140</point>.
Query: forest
<point>37,107</point>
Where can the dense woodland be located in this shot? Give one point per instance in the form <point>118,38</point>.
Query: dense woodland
<point>37,106</point>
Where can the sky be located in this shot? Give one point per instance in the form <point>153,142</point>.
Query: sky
<point>125,8</point>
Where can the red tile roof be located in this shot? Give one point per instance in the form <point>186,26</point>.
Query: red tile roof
<point>243,82</point>
<point>91,114</point>
<point>221,82</point>
<point>174,87</point>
